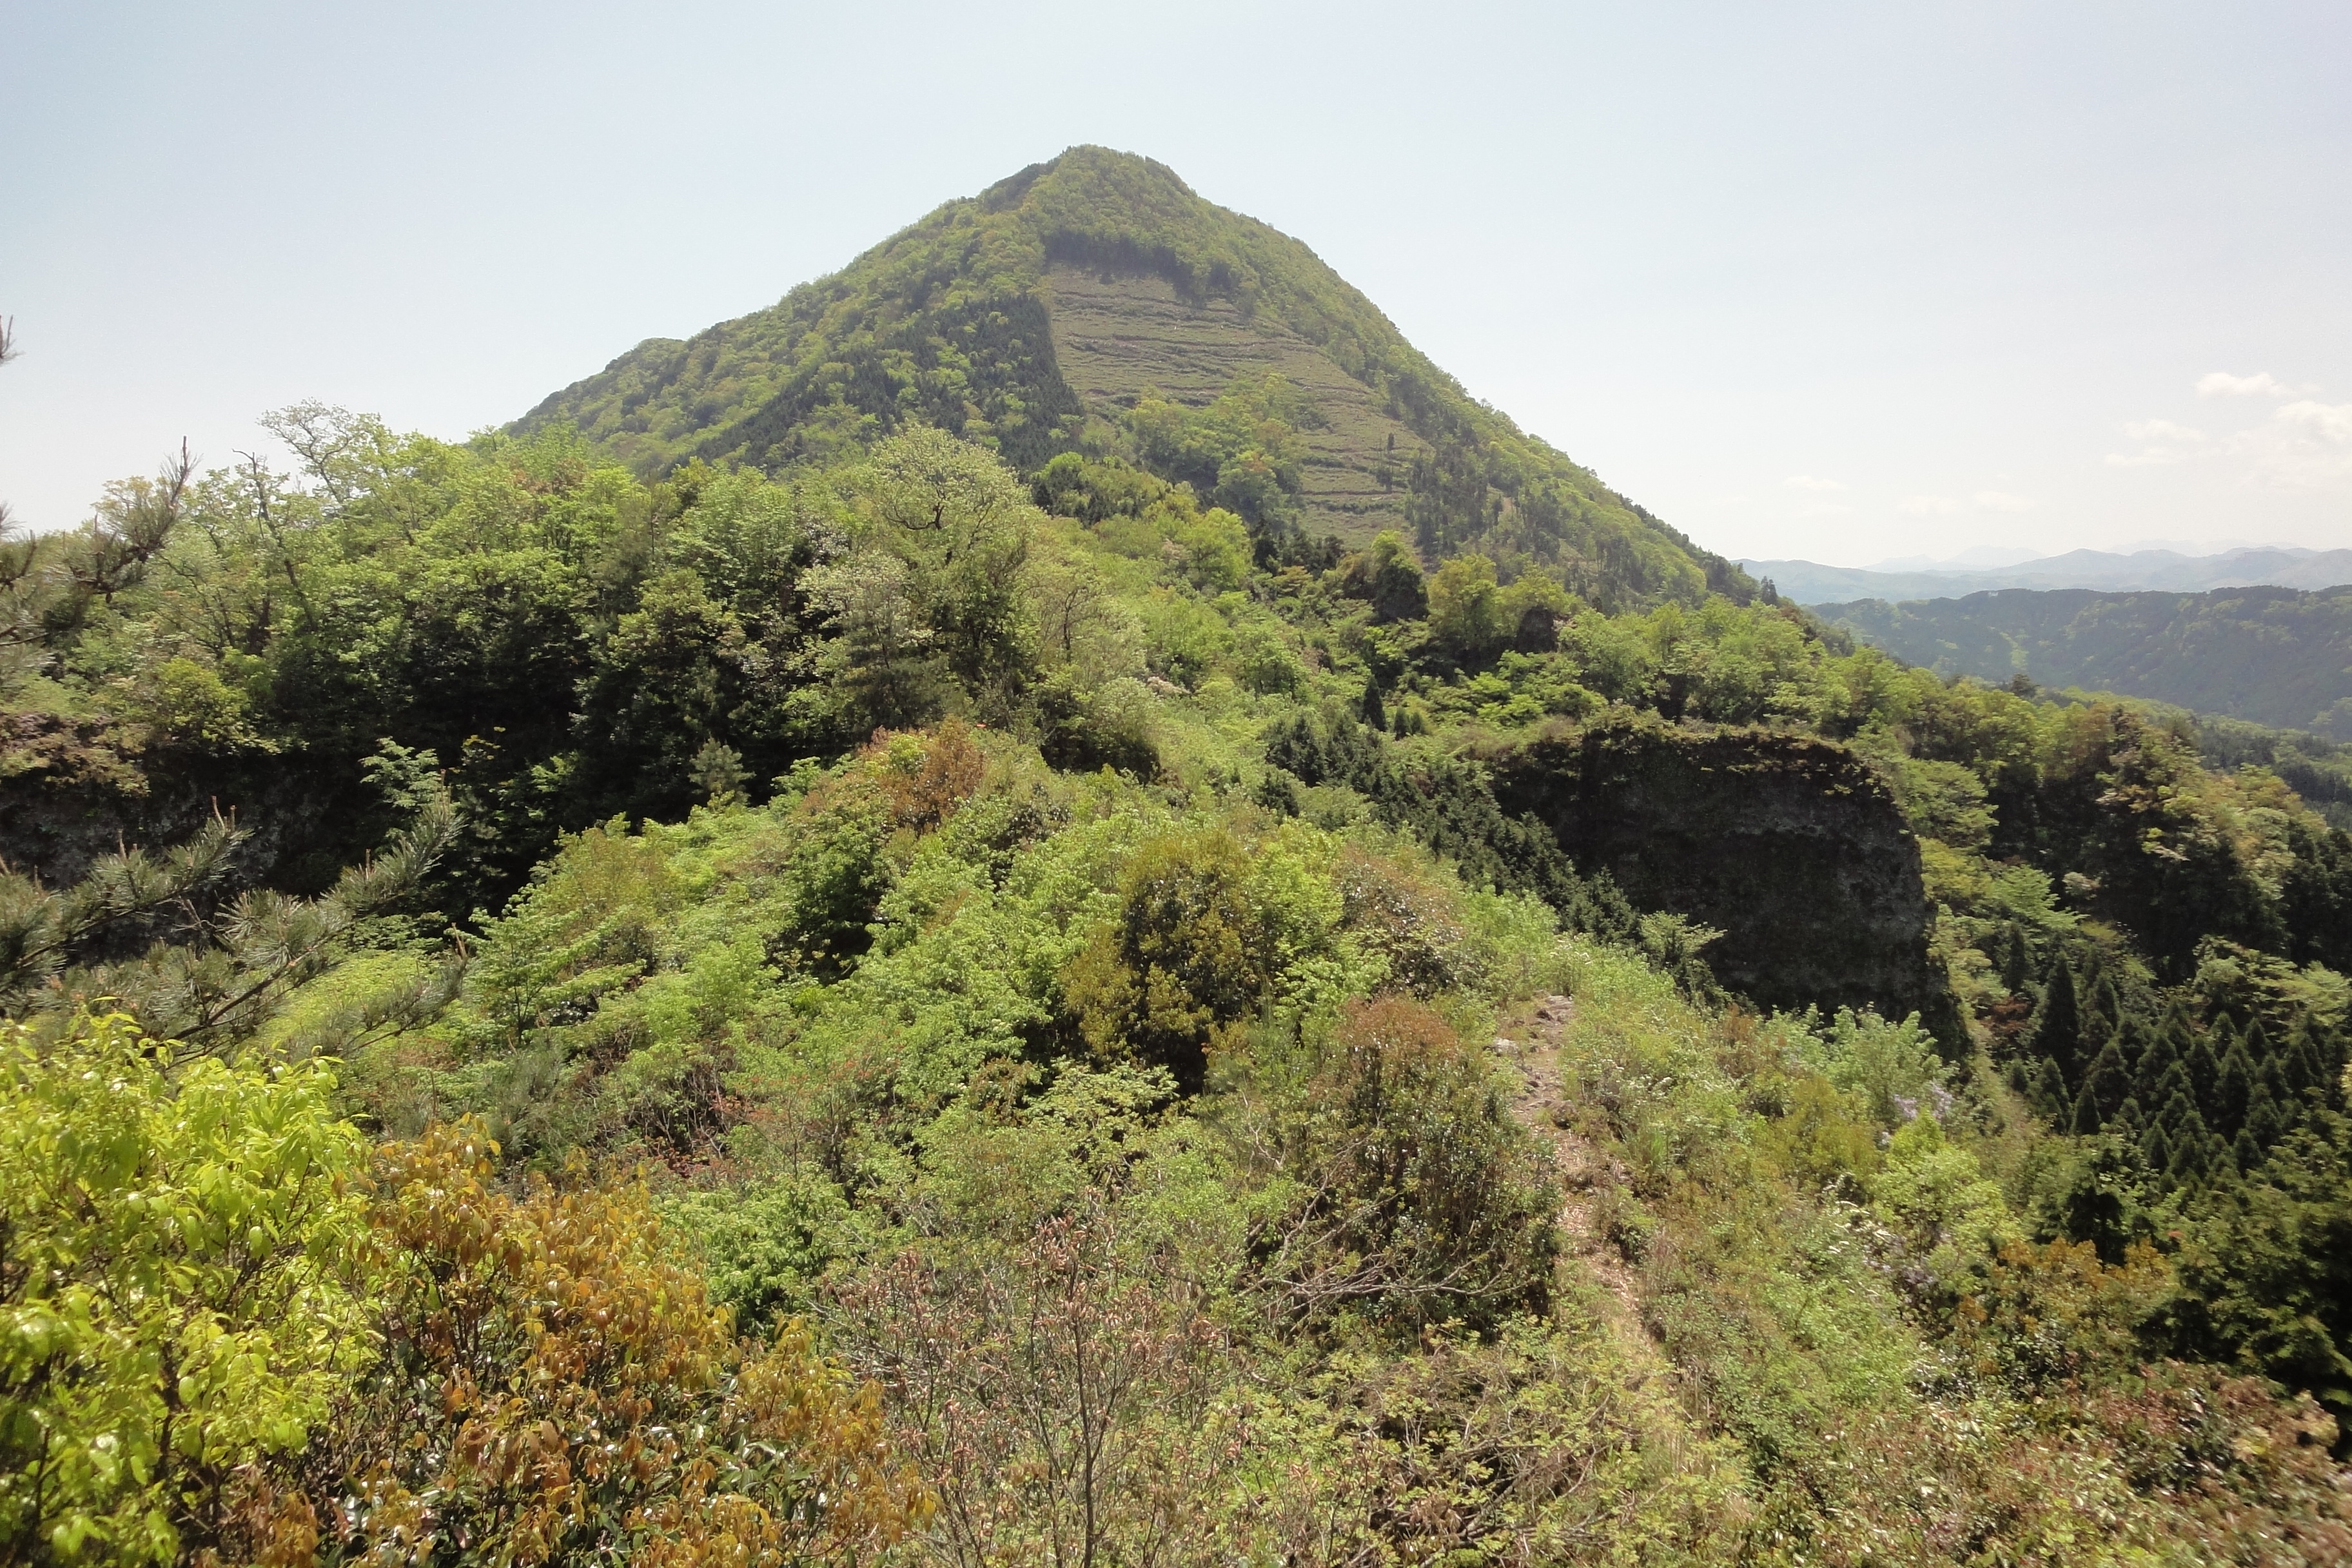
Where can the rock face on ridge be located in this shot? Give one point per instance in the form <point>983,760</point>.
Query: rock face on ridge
<point>1789,846</point>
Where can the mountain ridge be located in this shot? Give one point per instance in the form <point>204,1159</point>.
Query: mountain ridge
<point>1811,582</point>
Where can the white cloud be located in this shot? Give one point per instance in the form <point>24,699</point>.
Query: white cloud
<point>1930,506</point>
<point>1807,482</point>
<point>1999,500</point>
<point>2307,445</point>
<point>2160,441</point>
<point>2262,383</point>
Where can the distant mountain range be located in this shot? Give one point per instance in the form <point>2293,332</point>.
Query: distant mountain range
<point>1809,583</point>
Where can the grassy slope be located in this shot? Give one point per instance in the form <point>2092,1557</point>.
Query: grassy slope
<point>953,320</point>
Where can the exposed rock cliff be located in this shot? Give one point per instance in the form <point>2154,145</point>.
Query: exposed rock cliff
<point>1789,846</point>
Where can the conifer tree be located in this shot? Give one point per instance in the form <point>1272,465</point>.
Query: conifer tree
<point>2014,958</point>
<point>2103,1008</point>
<point>2177,1115</point>
<point>2104,1087</point>
<point>2191,1156</point>
<point>2306,1058</point>
<point>2132,1043</point>
<point>2204,1066</point>
<point>2270,1109</point>
<point>2172,1089</point>
<point>2058,1032</point>
<point>2232,1090</point>
<point>2161,1055</point>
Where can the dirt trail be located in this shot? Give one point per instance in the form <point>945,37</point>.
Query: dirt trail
<point>1532,1047</point>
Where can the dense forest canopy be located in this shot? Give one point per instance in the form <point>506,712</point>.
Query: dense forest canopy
<point>916,998</point>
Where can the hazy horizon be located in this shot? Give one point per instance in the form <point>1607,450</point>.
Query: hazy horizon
<point>1991,558</point>
<point>1828,283</point>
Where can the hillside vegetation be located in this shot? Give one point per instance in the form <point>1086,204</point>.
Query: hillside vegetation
<point>897,1011</point>
<point>2273,655</point>
<point>1094,304</point>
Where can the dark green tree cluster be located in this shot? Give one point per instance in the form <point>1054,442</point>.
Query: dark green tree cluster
<point>2204,1080</point>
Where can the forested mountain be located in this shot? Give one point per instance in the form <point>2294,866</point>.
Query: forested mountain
<point>1094,304</point>
<point>2161,570</point>
<point>920,1000</point>
<point>2272,656</point>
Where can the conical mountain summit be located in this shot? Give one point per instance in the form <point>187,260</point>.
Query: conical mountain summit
<point>1094,303</point>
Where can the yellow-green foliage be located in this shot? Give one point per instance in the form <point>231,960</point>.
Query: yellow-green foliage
<point>181,1286</point>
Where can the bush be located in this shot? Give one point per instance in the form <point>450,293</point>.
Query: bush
<point>182,1287</point>
<point>1417,1198</point>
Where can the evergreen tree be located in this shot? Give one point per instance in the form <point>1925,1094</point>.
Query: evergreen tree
<point>2058,1031</point>
<point>2129,1116</point>
<point>2156,1148</point>
<point>2172,1089</point>
<point>1374,714</point>
<point>2103,1008</point>
<point>2105,1086</point>
<point>2178,1113</point>
<point>2220,1159</point>
<point>2020,1078</point>
<point>2270,1109</point>
<point>2015,959</point>
<point>2245,1152</point>
<point>2191,1151</point>
<point>2132,1041</point>
<point>2204,1067</point>
<point>2232,1090</point>
<point>2304,1055</point>
<point>2160,1057</point>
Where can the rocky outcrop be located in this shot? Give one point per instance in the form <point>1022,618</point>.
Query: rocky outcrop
<point>1789,846</point>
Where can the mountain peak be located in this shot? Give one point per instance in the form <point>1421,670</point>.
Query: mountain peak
<point>1071,305</point>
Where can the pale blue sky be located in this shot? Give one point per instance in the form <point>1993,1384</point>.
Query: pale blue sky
<point>1842,281</point>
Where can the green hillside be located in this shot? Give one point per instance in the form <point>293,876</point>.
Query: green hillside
<point>2278,657</point>
<point>1096,304</point>
<point>908,1011</point>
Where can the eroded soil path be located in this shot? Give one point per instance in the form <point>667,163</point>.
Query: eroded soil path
<point>1531,1044</point>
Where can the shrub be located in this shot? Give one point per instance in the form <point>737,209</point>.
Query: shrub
<point>1416,1197</point>
<point>181,1287</point>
